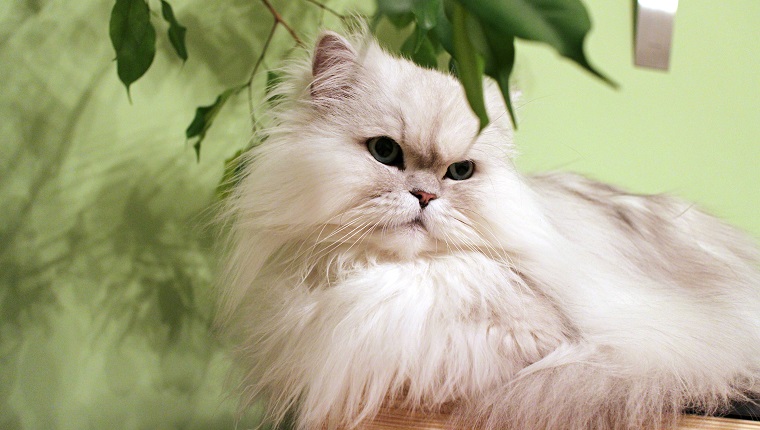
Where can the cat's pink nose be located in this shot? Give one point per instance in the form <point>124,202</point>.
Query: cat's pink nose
<point>423,197</point>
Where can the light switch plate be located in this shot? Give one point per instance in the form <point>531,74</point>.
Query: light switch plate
<point>654,33</point>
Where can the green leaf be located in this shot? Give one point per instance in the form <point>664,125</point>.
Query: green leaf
<point>401,13</point>
<point>273,78</point>
<point>418,37</point>
<point>402,20</point>
<point>176,31</point>
<point>469,65</point>
<point>562,24</point>
<point>424,55</point>
<point>394,7</point>
<point>233,170</point>
<point>443,31</point>
<point>426,13</point>
<point>204,118</point>
<point>500,60</point>
<point>133,38</point>
<point>425,16</point>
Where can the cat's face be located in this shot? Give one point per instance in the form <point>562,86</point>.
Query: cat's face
<point>383,154</point>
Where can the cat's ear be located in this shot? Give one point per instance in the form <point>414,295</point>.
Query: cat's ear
<point>332,67</point>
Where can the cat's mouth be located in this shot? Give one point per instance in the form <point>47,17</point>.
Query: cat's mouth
<point>417,224</point>
<point>414,225</point>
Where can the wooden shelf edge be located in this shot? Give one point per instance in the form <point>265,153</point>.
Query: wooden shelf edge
<point>390,420</point>
<point>713,423</point>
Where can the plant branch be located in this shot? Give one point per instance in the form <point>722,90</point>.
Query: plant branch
<point>279,20</point>
<point>249,84</point>
<point>327,8</point>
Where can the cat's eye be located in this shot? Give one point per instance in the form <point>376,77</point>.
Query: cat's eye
<point>461,170</point>
<point>386,151</point>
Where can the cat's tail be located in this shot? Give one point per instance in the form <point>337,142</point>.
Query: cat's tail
<point>593,388</point>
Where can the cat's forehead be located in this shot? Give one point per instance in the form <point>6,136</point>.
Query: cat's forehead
<point>427,112</point>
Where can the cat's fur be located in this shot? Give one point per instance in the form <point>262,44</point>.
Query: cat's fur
<point>544,302</point>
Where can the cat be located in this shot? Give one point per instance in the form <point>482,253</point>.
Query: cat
<point>383,252</point>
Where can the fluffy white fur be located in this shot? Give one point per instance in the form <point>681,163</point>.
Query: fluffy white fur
<point>550,302</point>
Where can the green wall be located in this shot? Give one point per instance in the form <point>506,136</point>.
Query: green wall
<point>693,131</point>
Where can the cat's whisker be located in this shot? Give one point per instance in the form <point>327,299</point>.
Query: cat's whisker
<point>331,238</point>
<point>483,226</point>
<point>473,247</point>
<point>345,238</point>
<point>384,223</point>
<point>365,232</point>
<point>361,239</point>
<point>336,244</point>
<point>324,225</point>
<point>452,243</point>
<point>297,257</point>
<point>492,251</point>
<point>340,228</point>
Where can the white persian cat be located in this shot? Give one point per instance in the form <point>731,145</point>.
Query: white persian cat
<point>383,252</point>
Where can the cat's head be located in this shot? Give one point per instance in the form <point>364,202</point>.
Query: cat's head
<point>375,151</point>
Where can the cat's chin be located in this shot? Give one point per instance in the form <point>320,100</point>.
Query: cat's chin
<point>405,240</point>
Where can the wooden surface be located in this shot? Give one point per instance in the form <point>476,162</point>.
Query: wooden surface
<point>390,420</point>
<point>709,423</point>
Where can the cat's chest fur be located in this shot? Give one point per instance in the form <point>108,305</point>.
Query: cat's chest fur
<point>454,324</point>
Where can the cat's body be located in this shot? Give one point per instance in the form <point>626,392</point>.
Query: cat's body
<point>356,279</point>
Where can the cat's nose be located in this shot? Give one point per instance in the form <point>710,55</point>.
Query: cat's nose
<point>423,197</point>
